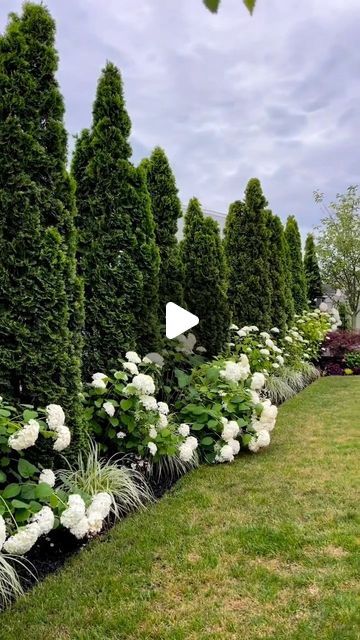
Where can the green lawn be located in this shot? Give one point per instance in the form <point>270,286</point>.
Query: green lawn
<point>265,548</point>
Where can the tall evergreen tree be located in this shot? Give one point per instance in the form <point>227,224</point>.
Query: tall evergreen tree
<point>40,294</point>
<point>312,271</point>
<point>289,300</point>
<point>246,249</point>
<point>293,239</point>
<point>277,272</point>
<point>205,278</point>
<point>166,210</point>
<point>117,252</point>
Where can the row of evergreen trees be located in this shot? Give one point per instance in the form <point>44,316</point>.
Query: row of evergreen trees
<point>89,259</point>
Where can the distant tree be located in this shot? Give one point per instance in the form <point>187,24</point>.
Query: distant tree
<point>293,239</point>
<point>338,246</point>
<point>205,278</point>
<point>117,253</point>
<point>312,271</point>
<point>277,272</point>
<point>289,300</point>
<point>166,209</point>
<point>40,293</point>
<point>246,249</point>
<point>213,5</point>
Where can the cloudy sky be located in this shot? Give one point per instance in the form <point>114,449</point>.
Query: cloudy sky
<point>228,96</point>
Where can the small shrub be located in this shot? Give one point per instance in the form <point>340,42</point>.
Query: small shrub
<point>352,359</point>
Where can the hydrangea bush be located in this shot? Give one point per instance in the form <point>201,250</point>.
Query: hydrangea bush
<point>125,416</point>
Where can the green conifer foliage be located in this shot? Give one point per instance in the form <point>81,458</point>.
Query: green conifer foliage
<point>166,210</point>
<point>312,271</point>
<point>289,300</point>
<point>277,272</point>
<point>117,253</point>
<point>41,309</point>
<point>293,239</point>
<point>246,248</point>
<point>205,278</point>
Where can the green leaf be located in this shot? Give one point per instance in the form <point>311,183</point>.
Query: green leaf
<point>28,491</point>
<point>213,5</point>
<point>3,477</point>
<point>4,413</point>
<point>114,422</point>
<point>246,439</point>
<point>22,515</point>
<point>207,441</point>
<point>182,378</point>
<point>26,469</point>
<point>250,4</point>
<point>43,491</point>
<point>29,415</point>
<point>18,504</point>
<point>11,491</point>
<point>197,426</point>
<point>212,424</point>
<point>126,404</point>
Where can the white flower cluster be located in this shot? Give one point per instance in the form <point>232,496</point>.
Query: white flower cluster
<point>257,381</point>
<point>48,476</point>
<point>236,371</point>
<point>132,356</point>
<point>2,532</point>
<point>263,426</point>
<point>99,380</point>
<point>24,539</point>
<point>55,418</point>
<point>81,521</point>
<point>25,437</point>
<point>187,448</point>
<point>227,452</point>
<point>142,384</point>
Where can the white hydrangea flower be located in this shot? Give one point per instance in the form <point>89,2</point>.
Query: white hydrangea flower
<point>280,360</point>
<point>48,476</point>
<point>225,454</point>
<point>1,399</point>
<point>152,433</point>
<point>235,445</point>
<point>100,503</point>
<point>230,431</point>
<point>184,429</point>
<point>254,396</point>
<point>149,403</point>
<point>74,514</point>
<point>152,448</point>
<point>253,445</point>
<point>2,532</point>
<point>234,327</point>
<point>22,541</point>
<point>277,349</point>
<point>120,435</point>
<point>268,415</point>
<point>98,383</point>
<point>109,409</point>
<point>264,334</point>
<point>144,384</point>
<point>80,529</point>
<point>55,416</point>
<point>269,343</point>
<point>131,367</point>
<point>185,452</point>
<point>236,371</point>
<point>288,339</point>
<point>162,422</point>
<point>257,381</point>
<point>275,330</point>
<point>265,352</point>
<point>146,360</point>
<point>192,442</point>
<point>45,519</point>
<point>263,438</point>
<point>99,376</point>
<point>63,438</point>
<point>163,408</point>
<point>25,437</point>
<point>241,333</point>
<point>275,365</point>
<point>132,356</point>
<point>254,328</point>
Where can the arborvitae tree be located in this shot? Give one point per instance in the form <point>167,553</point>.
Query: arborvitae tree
<point>312,271</point>
<point>293,239</point>
<point>117,253</point>
<point>289,300</point>
<point>205,278</point>
<point>40,293</point>
<point>246,249</point>
<point>277,271</point>
<point>166,210</point>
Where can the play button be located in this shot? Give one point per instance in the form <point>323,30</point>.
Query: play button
<point>178,320</point>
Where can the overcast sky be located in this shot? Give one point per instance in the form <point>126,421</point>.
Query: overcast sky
<point>229,97</point>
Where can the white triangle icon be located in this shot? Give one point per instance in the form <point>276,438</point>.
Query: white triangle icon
<point>178,320</point>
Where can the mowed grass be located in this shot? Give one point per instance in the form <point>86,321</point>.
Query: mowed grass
<point>265,548</point>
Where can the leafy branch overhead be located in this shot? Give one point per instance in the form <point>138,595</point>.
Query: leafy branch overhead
<point>213,5</point>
